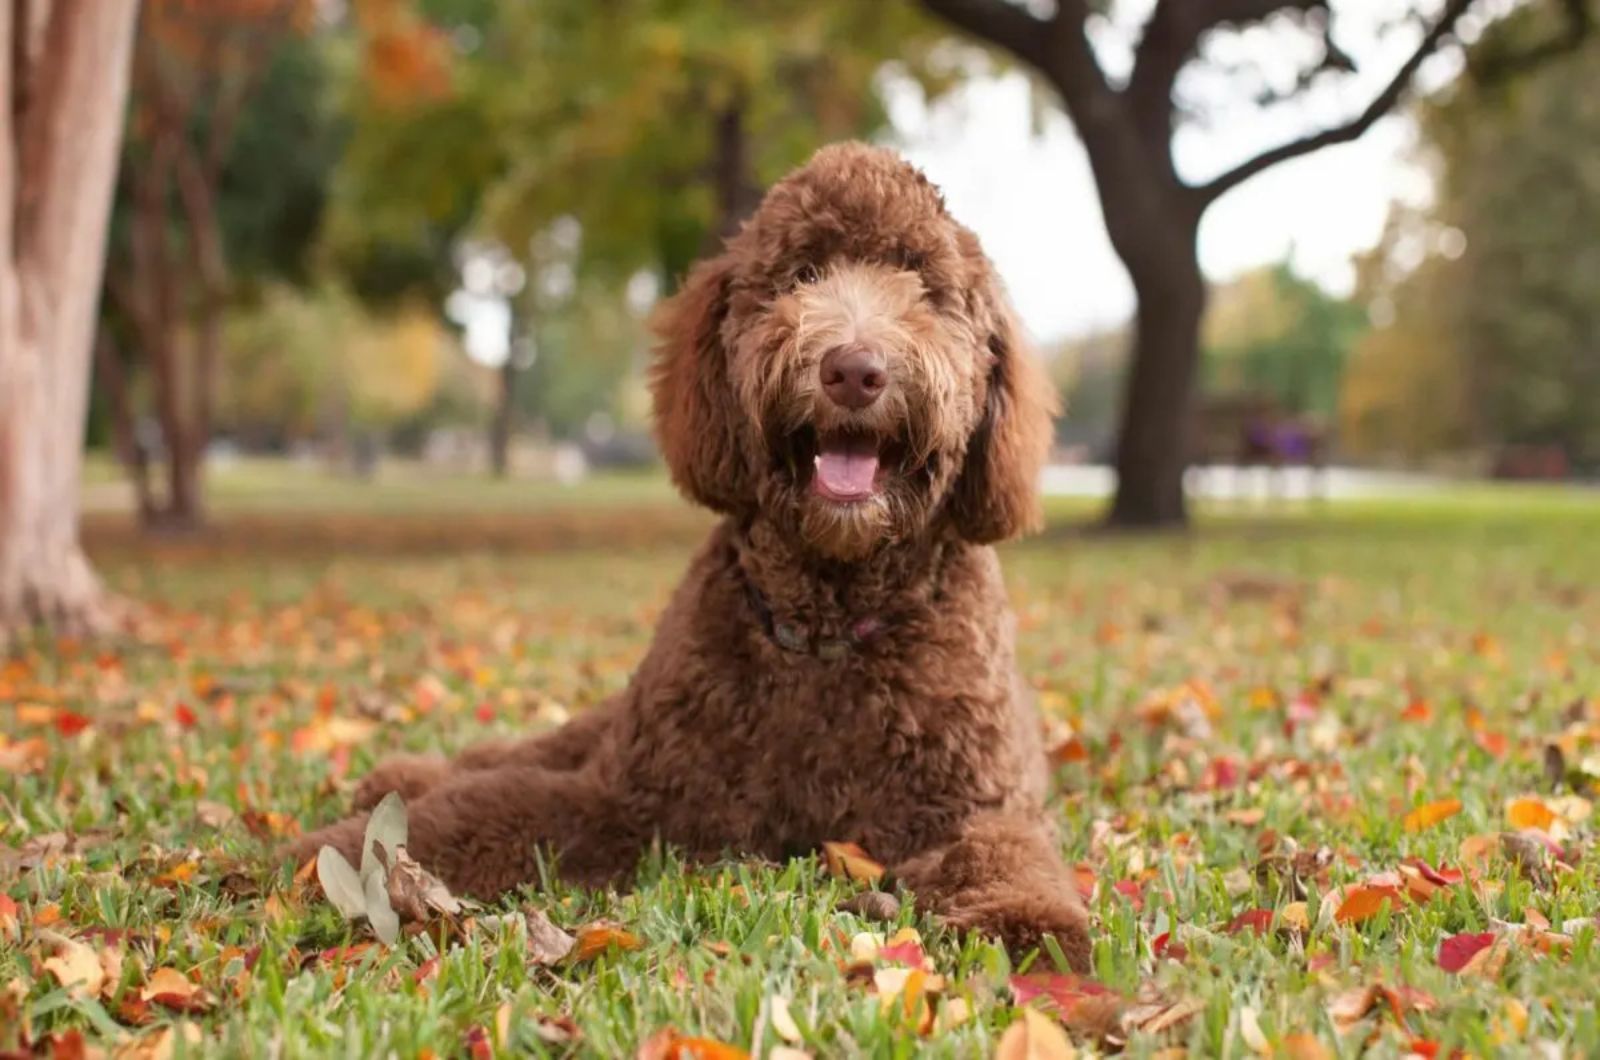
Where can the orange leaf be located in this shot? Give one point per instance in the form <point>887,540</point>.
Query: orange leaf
<point>848,861</point>
<point>1362,903</point>
<point>1431,814</point>
<point>668,1044</point>
<point>595,939</point>
<point>1531,813</point>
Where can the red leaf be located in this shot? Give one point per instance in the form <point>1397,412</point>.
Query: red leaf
<point>1258,920</point>
<point>908,953</point>
<point>186,716</point>
<point>1131,891</point>
<point>485,712</point>
<point>1163,946</point>
<point>1456,951</point>
<point>70,724</point>
<point>1063,991</point>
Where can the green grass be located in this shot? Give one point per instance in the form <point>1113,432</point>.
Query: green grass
<point>1481,604</point>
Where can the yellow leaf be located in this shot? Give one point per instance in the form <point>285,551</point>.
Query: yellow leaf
<point>849,861</point>
<point>1034,1037</point>
<point>1431,814</point>
<point>1295,917</point>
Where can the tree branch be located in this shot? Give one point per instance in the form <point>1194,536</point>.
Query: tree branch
<point>1382,104</point>
<point>1003,24</point>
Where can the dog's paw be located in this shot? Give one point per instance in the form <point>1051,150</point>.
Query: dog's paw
<point>413,776</point>
<point>1023,922</point>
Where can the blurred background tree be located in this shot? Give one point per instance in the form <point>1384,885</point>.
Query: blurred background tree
<point>375,226</point>
<point>1488,323</point>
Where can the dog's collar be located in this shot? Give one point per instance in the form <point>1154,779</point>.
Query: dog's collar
<point>794,637</point>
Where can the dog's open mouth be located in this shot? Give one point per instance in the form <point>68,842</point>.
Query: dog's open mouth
<point>845,467</point>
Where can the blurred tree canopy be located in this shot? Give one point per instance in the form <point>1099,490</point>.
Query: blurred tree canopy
<point>1490,320</point>
<point>1274,333</point>
<point>654,124</point>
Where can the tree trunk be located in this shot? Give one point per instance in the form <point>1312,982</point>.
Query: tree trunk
<point>733,181</point>
<point>504,416</point>
<point>124,429</point>
<point>1155,442</point>
<point>67,64</point>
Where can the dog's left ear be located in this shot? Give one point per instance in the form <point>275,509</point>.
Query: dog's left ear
<point>690,392</point>
<point>997,493</point>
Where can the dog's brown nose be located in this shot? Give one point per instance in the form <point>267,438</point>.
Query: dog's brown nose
<point>854,376</point>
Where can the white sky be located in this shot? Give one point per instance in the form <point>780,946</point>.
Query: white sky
<point>1027,192</point>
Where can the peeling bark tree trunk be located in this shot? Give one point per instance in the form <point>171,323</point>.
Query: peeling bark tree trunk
<point>63,86</point>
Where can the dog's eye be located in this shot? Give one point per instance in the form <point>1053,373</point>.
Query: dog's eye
<point>807,273</point>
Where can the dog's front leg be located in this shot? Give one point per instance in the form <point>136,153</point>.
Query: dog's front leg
<point>485,832</point>
<point>569,746</point>
<point>1003,876</point>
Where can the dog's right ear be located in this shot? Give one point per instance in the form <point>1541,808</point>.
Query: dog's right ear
<point>694,404</point>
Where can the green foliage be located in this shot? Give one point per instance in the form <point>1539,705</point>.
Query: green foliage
<point>1275,333</point>
<point>1499,324</point>
<point>300,364</point>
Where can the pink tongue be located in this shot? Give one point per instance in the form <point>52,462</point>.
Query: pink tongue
<point>846,472</point>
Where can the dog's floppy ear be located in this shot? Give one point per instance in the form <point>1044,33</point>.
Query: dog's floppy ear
<point>997,493</point>
<point>693,402</point>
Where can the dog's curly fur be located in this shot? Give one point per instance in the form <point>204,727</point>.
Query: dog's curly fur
<point>827,670</point>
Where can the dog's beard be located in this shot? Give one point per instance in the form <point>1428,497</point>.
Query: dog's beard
<point>830,511</point>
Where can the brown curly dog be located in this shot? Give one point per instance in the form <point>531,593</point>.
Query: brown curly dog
<point>847,385</point>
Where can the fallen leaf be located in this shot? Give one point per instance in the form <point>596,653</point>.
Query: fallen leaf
<point>602,935</point>
<point>1362,903</point>
<point>782,1019</point>
<point>1034,1037</point>
<point>1457,950</point>
<point>340,883</point>
<point>1303,1047</point>
<point>1431,814</point>
<point>547,943</point>
<point>75,966</point>
<point>1530,813</point>
<point>173,990</point>
<point>1257,920</point>
<point>415,893</point>
<point>849,861</point>
<point>668,1044</point>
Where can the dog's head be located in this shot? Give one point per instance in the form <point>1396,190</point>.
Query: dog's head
<point>849,367</point>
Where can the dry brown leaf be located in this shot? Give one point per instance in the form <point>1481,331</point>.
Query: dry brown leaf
<point>415,893</point>
<point>547,943</point>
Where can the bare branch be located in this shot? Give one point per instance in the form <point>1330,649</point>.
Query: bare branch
<point>1003,24</point>
<point>1382,104</point>
<point>1170,39</point>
